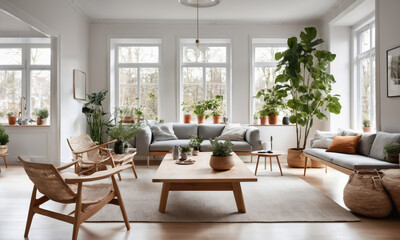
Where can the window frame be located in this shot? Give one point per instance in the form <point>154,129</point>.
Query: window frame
<point>220,42</point>
<point>26,68</point>
<point>138,66</point>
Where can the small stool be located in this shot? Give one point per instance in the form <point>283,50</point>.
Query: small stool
<point>275,154</point>
<point>3,154</point>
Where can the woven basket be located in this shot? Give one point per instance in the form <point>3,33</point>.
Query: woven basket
<point>391,182</point>
<point>296,158</point>
<point>364,194</point>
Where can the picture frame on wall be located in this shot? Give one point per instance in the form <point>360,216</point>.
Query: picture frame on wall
<point>79,85</point>
<point>393,72</point>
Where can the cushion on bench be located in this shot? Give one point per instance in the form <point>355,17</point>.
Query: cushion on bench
<point>361,162</point>
<point>320,153</point>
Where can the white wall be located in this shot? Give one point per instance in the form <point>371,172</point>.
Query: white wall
<point>72,30</point>
<point>388,36</point>
<point>170,32</point>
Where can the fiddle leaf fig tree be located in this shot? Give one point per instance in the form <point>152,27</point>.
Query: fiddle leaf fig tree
<point>306,82</point>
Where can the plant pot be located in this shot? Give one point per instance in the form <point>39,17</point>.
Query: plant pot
<point>195,152</point>
<point>128,119</point>
<point>3,149</point>
<point>119,147</point>
<point>255,121</point>
<point>40,121</point>
<point>392,157</point>
<point>285,120</point>
<point>187,118</point>
<point>201,119</point>
<point>141,117</point>
<point>12,120</point>
<point>273,119</point>
<point>216,119</point>
<point>184,156</point>
<point>263,120</point>
<point>296,158</point>
<point>366,129</point>
<point>222,163</point>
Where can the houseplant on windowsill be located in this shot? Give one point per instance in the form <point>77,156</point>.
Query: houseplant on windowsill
<point>273,103</point>
<point>221,158</point>
<point>391,151</point>
<point>3,140</point>
<point>308,84</point>
<point>200,110</point>
<point>12,117</point>
<point>195,142</point>
<point>127,114</point>
<point>263,116</point>
<point>42,115</point>
<point>215,106</point>
<point>123,133</point>
<point>139,112</point>
<point>366,125</point>
<point>187,112</point>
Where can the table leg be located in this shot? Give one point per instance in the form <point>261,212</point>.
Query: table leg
<point>237,192</point>
<point>305,166</point>
<point>279,164</point>
<point>251,158</point>
<point>258,160</point>
<point>265,162</point>
<point>5,161</point>
<point>148,161</point>
<point>270,163</point>
<point>164,197</point>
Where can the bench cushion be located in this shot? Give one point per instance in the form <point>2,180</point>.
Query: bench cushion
<point>320,153</point>
<point>166,146</point>
<point>184,131</point>
<point>355,162</point>
<point>238,146</point>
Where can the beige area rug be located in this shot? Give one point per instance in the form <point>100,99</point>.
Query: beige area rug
<point>273,198</point>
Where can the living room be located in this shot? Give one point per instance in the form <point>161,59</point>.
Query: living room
<point>61,53</point>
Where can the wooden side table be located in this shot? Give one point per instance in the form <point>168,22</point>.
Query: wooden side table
<point>4,153</point>
<point>122,159</point>
<point>275,154</point>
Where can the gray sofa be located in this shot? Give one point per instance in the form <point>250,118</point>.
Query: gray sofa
<point>369,153</point>
<point>146,146</point>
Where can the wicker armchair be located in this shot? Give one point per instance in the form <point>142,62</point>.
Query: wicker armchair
<point>68,188</point>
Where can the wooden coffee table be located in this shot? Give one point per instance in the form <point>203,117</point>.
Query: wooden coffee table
<point>201,177</point>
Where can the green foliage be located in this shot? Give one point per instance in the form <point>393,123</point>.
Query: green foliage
<point>185,149</point>
<point>41,113</point>
<point>392,148</point>
<point>126,111</point>
<point>306,81</point>
<point>195,142</point>
<point>11,114</point>
<point>3,136</point>
<point>366,123</point>
<point>139,110</point>
<point>98,120</point>
<point>187,109</point>
<point>214,105</point>
<point>273,102</point>
<point>221,149</point>
<point>200,109</point>
<point>124,132</point>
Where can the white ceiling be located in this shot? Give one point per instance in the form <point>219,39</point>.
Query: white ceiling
<point>13,27</point>
<point>356,14</point>
<point>240,10</point>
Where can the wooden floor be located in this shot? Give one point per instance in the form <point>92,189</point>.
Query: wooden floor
<point>15,190</point>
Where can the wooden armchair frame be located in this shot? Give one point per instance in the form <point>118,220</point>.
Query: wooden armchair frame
<point>61,190</point>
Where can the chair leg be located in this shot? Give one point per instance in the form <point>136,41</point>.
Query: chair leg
<point>5,161</point>
<point>326,168</point>
<point>134,169</point>
<point>30,213</point>
<point>78,213</point>
<point>121,203</point>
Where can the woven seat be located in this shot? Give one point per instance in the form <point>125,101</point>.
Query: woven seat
<point>68,187</point>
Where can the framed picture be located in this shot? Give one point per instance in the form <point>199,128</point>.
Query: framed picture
<point>79,85</point>
<point>393,72</point>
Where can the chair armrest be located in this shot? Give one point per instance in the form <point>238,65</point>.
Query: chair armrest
<point>67,165</point>
<point>97,175</point>
<point>86,150</point>
<point>143,141</point>
<point>108,143</point>
<point>253,137</point>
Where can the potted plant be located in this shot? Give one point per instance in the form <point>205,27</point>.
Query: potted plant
<point>215,106</point>
<point>200,110</point>
<point>221,158</point>
<point>256,116</point>
<point>12,117</point>
<point>391,151</point>
<point>187,111</point>
<point>184,152</point>
<point>42,114</point>
<point>98,120</point>
<point>195,142</point>
<point>123,133</point>
<point>272,104</point>
<point>263,115</point>
<point>305,80</point>
<point>139,112</point>
<point>127,114</point>
<point>3,140</point>
<point>366,125</point>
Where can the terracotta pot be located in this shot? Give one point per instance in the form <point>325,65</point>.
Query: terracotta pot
<point>128,119</point>
<point>40,121</point>
<point>216,119</point>
<point>200,119</point>
<point>195,152</point>
<point>296,158</point>
<point>187,118</point>
<point>367,129</point>
<point>12,120</point>
<point>272,119</point>
<point>263,120</point>
<point>222,163</point>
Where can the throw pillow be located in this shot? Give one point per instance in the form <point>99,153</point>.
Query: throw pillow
<point>367,139</point>
<point>163,132</point>
<point>323,139</point>
<point>233,132</point>
<point>380,142</point>
<point>344,144</point>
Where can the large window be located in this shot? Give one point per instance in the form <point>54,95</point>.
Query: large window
<point>205,71</point>
<point>24,78</point>
<point>137,74</point>
<point>366,74</point>
<point>264,67</point>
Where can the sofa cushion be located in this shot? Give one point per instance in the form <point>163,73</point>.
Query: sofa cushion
<point>361,162</point>
<point>163,132</point>
<point>320,153</point>
<point>238,146</point>
<point>184,131</point>
<point>166,146</point>
<point>233,132</point>
<point>323,139</point>
<point>344,144</point>
<point>380,141</point>
<point>210,131</point>
<point>367,139</point>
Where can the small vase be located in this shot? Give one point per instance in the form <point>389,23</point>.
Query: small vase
<point>222,163</point>
<point>263,120</point>
<point>195,152</point>
<point>187,118</point>
<point>40,121</point>
<point>216,119</point>
<point>119,147</point>
<point>367,129</point>
<point>12,120</point>
<point>273,119</point>
<point>184,156</point>
<point>200,119</point>
<point>285,120</point>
